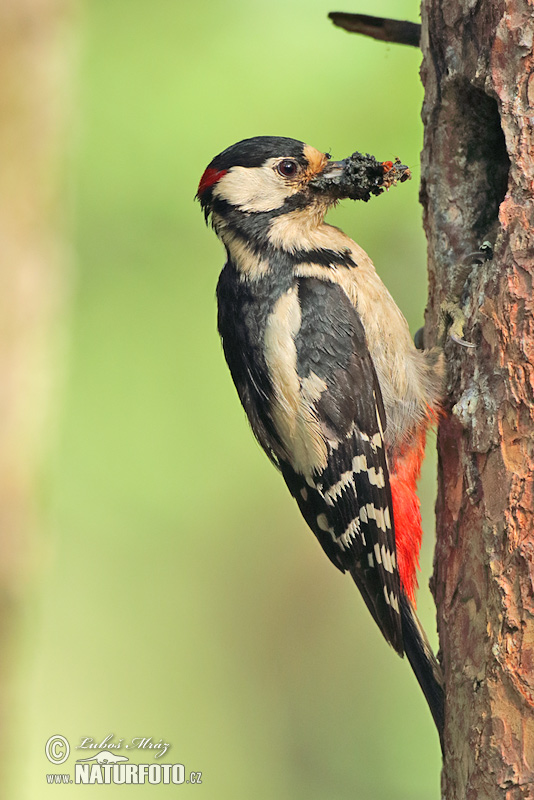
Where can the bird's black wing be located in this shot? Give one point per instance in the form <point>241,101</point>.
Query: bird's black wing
<point>347,502</point>
<point>241,323</point>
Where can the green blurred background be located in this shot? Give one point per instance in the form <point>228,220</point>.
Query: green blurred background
<point>182,596</point>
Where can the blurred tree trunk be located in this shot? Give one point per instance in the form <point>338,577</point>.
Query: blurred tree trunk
<point>35,63</point>
<point>478,180</point>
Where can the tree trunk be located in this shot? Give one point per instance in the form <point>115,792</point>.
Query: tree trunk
<point>34,76</point>
<point>478,179</point>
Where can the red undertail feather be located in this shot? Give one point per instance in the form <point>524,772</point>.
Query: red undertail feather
<point>404,475</point>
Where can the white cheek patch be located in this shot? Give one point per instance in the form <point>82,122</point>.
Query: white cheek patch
<point>254,188</point>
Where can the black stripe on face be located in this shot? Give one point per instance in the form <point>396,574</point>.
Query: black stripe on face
<point>261,219</point>
<point>254,152</point>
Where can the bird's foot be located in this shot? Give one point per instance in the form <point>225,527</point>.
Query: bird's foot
<point>452,318</point>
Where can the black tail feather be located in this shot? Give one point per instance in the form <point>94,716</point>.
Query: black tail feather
<point>424,663</point>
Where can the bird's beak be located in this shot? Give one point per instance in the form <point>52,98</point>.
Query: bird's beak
<point>334,170</point>
<point>358,177</point>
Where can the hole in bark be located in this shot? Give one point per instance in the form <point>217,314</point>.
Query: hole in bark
<point>476,156</point>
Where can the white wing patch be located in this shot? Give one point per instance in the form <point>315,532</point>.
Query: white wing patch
<point>293,402</point>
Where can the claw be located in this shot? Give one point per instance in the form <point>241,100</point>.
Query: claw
<point>456,329</point>
<point>451,308</point>
<point>459,340</point>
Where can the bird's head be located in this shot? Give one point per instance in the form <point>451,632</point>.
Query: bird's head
<point>265,176</point>
<point>271,194</point>
<point>268,176</point>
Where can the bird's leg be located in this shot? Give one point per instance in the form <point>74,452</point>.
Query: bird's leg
<point>452,318</point>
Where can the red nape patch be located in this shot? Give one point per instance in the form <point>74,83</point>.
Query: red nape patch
<point>210,177</point>
<point>387,165</point>
<point>404,475</point>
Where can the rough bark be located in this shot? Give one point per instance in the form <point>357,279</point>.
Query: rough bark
<point>34,76</point>
<point>478,168</point>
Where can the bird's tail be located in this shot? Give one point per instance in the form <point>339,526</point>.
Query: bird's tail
<point>423,662</point>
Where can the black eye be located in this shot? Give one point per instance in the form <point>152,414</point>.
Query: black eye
<point>287,168</point>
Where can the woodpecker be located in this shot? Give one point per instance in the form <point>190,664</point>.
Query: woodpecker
<point>334,389</point>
